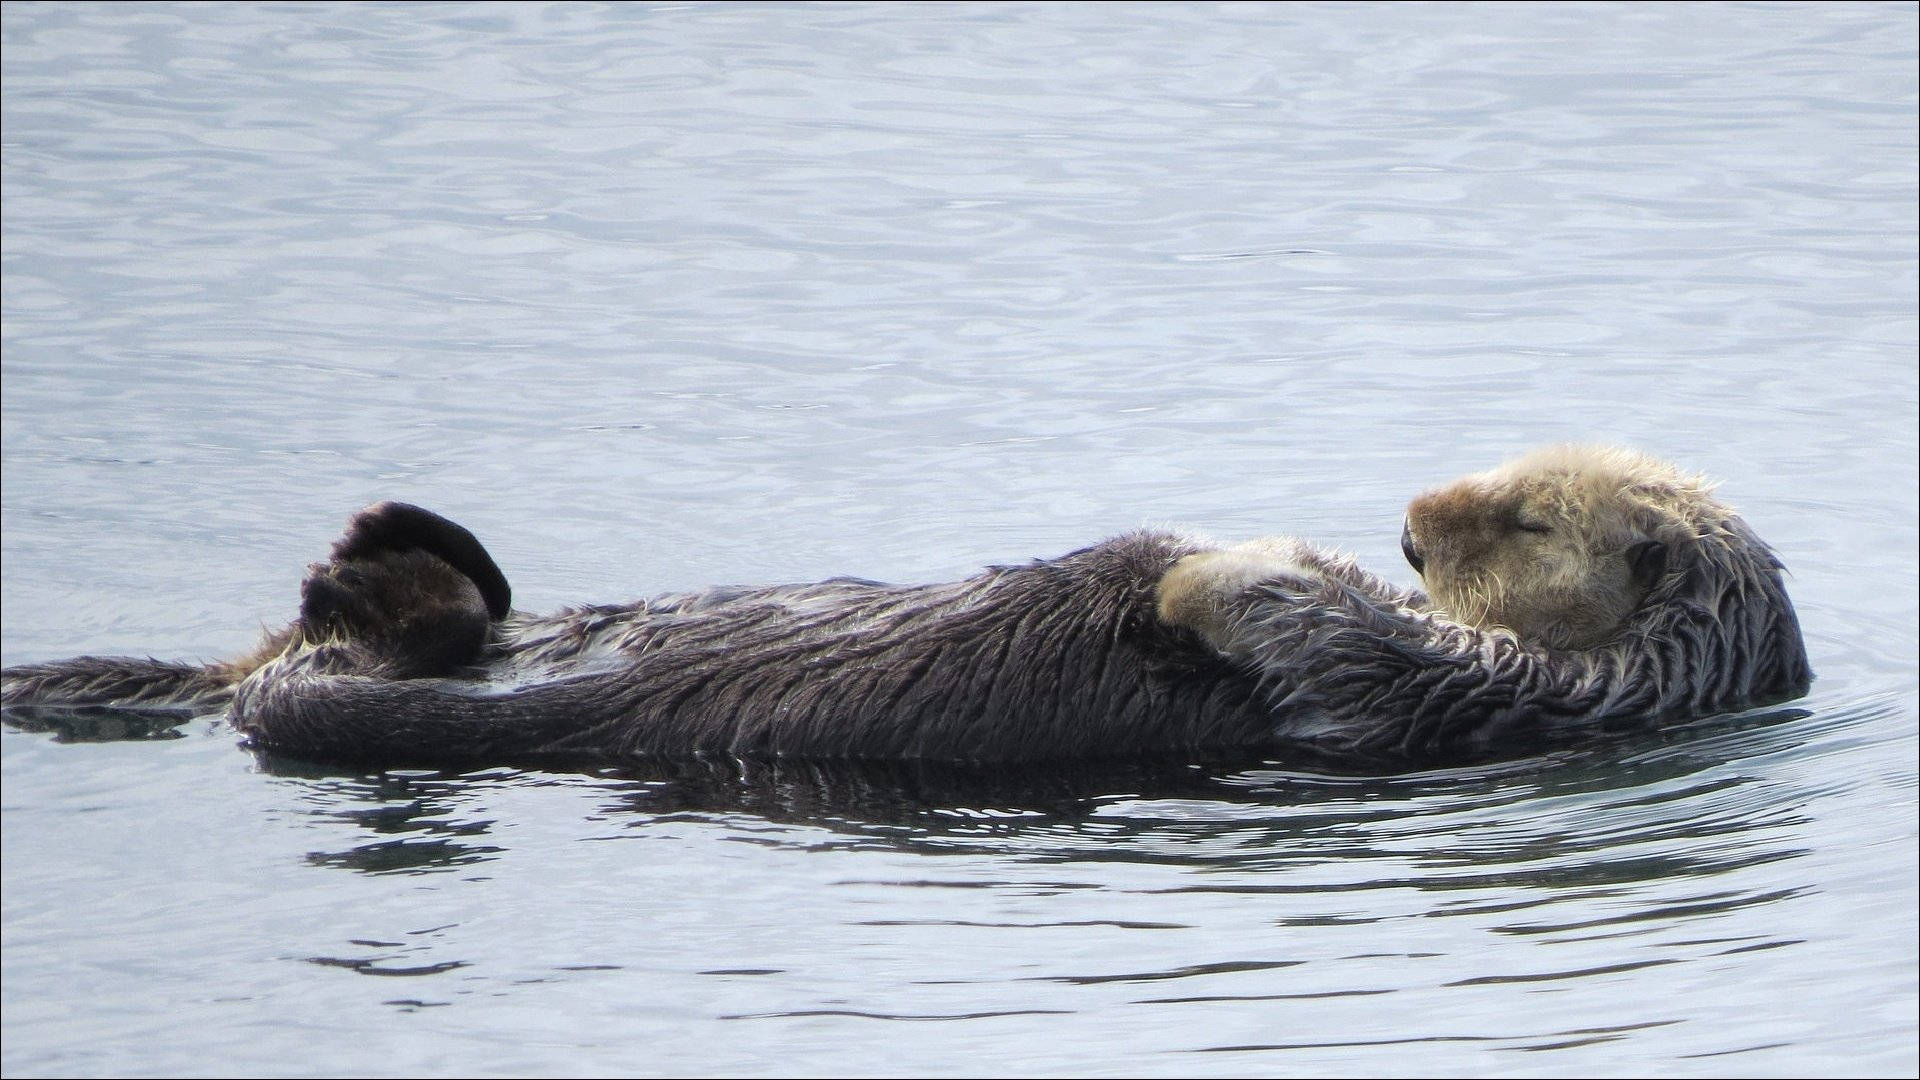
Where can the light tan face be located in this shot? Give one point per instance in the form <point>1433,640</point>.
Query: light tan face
<point>1557,547</point>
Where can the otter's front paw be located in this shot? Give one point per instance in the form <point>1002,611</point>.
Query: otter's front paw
<point>1203,592</point>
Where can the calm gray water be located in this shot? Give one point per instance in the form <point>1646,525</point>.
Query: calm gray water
<point>659,296</point>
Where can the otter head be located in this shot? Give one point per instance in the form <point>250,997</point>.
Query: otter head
<point>1561,546</point>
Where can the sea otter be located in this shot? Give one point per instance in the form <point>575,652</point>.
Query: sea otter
<point>1571,589</point>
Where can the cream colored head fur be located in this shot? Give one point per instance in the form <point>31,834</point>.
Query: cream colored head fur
<point>1559,546</point>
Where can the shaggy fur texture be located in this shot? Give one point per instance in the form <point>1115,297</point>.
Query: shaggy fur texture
<point>1571,589</point>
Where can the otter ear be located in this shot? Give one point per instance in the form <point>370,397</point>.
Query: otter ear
<point>1647,560</point>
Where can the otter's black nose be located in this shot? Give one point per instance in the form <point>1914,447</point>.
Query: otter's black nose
<point>1412,553</point>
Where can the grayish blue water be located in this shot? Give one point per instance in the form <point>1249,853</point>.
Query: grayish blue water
<point>659,296</point>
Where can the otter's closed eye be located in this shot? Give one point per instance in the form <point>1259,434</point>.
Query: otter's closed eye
<point>1532,526</point>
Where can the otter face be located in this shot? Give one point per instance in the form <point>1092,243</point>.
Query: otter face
<point>1561,546</point>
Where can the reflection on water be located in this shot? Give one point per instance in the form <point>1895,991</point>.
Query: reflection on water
<point>90,723</point>
<point>1635,855</point>
<point>1578,820</point>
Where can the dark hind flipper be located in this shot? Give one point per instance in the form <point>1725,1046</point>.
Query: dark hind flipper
<point>407,592</point>
<point>407,614</point>
<point>397,526</point>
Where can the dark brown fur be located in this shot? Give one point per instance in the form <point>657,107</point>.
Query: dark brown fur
<point>1052,660</point>
<point>398,658</point>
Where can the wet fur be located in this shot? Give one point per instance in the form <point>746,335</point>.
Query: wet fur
<point>406,652</point>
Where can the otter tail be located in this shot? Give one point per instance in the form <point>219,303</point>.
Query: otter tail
<point>116,682</point>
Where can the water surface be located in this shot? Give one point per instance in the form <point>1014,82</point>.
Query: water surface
<point>661,296</point>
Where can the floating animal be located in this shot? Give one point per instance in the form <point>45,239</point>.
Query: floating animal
<point>1569,590</point>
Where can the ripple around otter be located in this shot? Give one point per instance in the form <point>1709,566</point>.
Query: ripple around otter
<point>658,297</point>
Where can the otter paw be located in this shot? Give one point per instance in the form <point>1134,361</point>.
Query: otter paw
<point>1202,591</point>
<point>400,527</point>
<point>409,613</point>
